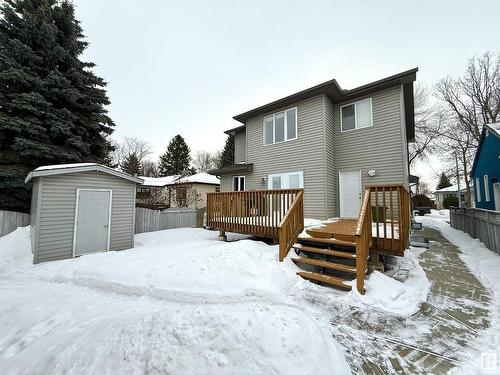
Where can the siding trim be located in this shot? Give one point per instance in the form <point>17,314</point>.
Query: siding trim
<point>404,144</point>
<point>110,211</point>
<point>38,214</point>
<point>325,190</point>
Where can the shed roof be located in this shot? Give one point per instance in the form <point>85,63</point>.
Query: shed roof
<point>58,169</point>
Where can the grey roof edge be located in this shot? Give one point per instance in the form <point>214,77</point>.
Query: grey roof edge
<point>86,168</point>
<point>344,95</point>
<point>232,169</point>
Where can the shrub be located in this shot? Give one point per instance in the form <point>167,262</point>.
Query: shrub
<point>421,200</point>
<point>450,201</point>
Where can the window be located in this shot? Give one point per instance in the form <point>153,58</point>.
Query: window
<point>486,188</point>
<point>356,115</point>
<point>238,183</point>
<point>280,127</point>
<point>289,180</point>
<point>478,190</point>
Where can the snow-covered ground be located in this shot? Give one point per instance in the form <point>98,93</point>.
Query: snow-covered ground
<point>179,302</point>
<point>485,265</point>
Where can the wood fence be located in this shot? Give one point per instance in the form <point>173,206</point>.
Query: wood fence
<point>10,220</point>
<point>478,223</point>
<point>147,220</point>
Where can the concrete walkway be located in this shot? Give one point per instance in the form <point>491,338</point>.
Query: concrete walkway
<point>429,342</point>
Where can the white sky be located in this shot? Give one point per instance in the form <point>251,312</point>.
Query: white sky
<point>188,67</point>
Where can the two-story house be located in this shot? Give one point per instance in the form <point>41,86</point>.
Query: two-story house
<point>330,141</point>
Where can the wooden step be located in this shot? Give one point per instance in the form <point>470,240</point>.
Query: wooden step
<point>317,250</point>
<point>332,280</point>
<point>328,241</point>
<point>324,263</point>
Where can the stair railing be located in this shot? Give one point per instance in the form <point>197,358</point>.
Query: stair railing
<point>291,225</point>
<point>363,239</point>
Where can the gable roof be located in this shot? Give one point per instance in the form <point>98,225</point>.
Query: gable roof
<point>493,128</point>
<point>338,95</point>
<point>58,169</point>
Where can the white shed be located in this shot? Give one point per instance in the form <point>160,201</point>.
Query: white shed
<point>82,208</point>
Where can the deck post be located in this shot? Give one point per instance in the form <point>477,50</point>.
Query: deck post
<point>222,235</point>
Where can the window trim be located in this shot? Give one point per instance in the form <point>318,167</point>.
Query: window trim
<point>244,182</point>
<point>285,123</point>
<point>486,188</point>
<point>301,178</point>
<point>478,190</point>
<point>356,115</point>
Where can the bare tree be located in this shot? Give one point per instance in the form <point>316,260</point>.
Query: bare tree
<point>129,146</point>
<point>149,168</point>
<point>183,195</point>
<point>474,98</point>
<point>204,161</point>
<point>427,125</point>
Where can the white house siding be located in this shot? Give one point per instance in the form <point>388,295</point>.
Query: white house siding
<point>57,212</point>
<point>380,147</point>
<point>226,183</point>
<point>306,153</point>
<point>34,211</point>
<point>240,147</point>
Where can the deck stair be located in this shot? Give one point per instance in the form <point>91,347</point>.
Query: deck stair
<point>329,254</point>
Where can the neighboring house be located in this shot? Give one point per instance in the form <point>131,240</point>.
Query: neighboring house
<point>178,191</point>
<point>82,208</point>
<point>451,191</point>
<point>330,141</point>
<point>485,171</point>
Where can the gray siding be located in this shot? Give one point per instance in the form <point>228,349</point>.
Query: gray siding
<point>226,183</point>
<point>57,212</point>
<point>380,147</point>
<point>332,199</point>
<point>34,212</point>
<point>240,141</point>
<point>306,153</point>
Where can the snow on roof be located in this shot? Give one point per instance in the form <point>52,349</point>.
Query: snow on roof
<point>452,188</point>
<point>200,178</point>
<point>62,166</point>
<point>58,169</point>
<point>159,181</point>
<point>495,127</point>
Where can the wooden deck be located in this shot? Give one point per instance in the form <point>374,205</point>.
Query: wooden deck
<point>381,228</point>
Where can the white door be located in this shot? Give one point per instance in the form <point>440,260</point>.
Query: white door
<point>350,193</point>
<point>92,221</point>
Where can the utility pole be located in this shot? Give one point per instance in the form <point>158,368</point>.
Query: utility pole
<point>458,181</point>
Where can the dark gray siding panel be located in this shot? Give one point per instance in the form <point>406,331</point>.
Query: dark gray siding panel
<point>240,141</point>
<point>332,201</point>
<point>380,147</point>
<point>57,212</point>
<point>306,153</point>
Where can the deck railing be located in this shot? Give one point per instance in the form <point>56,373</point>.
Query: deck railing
<point>291,225</point>
<point>265,213</point>
<point>363,240</point>
<point>383,224</point>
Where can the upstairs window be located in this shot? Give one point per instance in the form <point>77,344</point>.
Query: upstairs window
<point>280,127</point>
<point>486,188</point>
<point>356,115</point>
<point>478,190</point>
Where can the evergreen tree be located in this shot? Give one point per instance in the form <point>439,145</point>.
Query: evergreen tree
<point>227,155</point>
<point>176,159</point>
<point>131,165</point>
<point>444,181</point>
<point>52,106</point>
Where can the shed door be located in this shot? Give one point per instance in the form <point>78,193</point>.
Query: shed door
<point>350,193</point>
<point>92,221</point>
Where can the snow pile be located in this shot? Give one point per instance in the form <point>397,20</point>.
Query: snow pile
<point>485,265</point>
<point>386,294</point>
<point>180,302</point>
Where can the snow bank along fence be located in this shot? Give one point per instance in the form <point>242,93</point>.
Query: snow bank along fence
<point>10,220</point>
<point>478,223</point>
<point>148,220</point>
